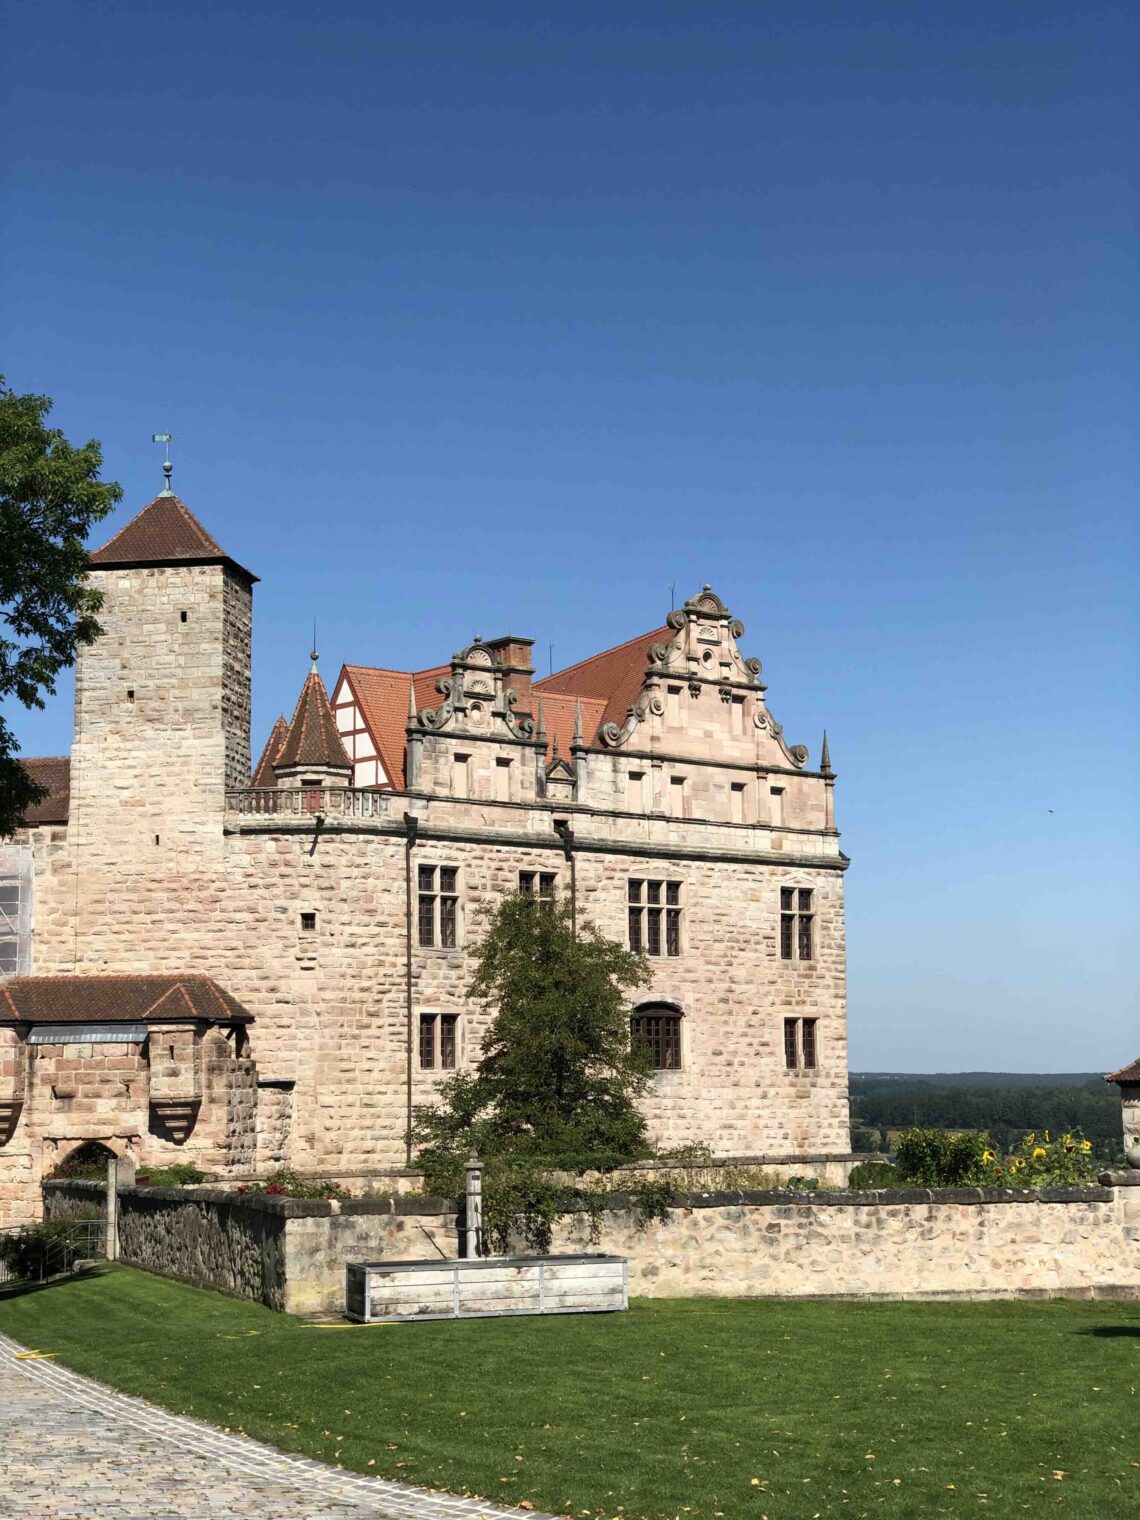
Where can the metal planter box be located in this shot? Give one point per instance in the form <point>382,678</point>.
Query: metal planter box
<point>484,1287</point>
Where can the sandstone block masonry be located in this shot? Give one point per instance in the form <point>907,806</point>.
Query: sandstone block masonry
<point>983,1243</point>
<point>651,785</point>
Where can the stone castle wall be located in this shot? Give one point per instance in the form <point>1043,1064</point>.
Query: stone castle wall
<point>983,1243</point>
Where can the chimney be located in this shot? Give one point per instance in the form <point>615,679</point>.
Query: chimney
<point>518,670</point>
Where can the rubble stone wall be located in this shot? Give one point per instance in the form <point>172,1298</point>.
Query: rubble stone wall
<point>982,1243</point>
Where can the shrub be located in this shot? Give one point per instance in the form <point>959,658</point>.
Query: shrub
<point>176,1175</point>
<point>42,1249</point>
<point>864,1139</point>
<point>289,1184</point>
<point>874,1174</point>
<point>797,1184</point>
<point>935,1158</point>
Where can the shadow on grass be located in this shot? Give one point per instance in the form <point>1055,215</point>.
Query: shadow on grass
<point>13,1290</point>
<point>1112,1332</point>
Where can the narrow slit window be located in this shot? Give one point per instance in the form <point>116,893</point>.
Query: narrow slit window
<point>308,922</point>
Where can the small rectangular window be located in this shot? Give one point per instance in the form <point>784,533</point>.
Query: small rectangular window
<point>791,1044</point>
<point>427,919</point>
<point>308,922</point>
<point>547,882</point>
<point>658,1035</point>
<point>448,1023</point>
<point>653,938</point>
<point>183,615</point>
<point>447,923</point>
<point>526,882</point>
<point>797,923</point>
<point>809,1043</point>
<point>427,1041</point>
<point>635,931</point>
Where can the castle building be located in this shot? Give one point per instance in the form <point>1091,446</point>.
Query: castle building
<point>250,969</point>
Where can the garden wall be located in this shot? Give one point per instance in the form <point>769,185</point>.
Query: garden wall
<point>986,1243</point>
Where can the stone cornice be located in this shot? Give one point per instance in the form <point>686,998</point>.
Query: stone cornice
<point>639,849</point>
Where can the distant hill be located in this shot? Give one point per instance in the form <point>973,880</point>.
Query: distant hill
<point>978,1078</point>
<point>1004,1104</point>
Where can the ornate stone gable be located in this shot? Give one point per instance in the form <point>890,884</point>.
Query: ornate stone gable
<point>476,701</point>
<point>702,664</point>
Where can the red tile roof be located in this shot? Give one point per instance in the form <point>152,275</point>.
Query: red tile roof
<point>116,999</point>
<point>54,772</point>
<point>263,775</point>
<point>559,716</point>
<point>382,697</point>
<point>614,677</point>
<point>312,738</point>
<point>1126,1073</point>
<point>165,532</point>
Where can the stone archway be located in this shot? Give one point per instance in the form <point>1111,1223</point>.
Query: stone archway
<point>86,1162</point>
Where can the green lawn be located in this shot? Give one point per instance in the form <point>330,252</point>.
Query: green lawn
<point>699,1408</point>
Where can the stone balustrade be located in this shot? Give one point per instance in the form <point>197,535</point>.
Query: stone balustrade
<point>308,802</point>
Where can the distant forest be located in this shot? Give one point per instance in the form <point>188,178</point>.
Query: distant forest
<point>1004,1104</point>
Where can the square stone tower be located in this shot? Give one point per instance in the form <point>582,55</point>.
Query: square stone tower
<point>162,711</point>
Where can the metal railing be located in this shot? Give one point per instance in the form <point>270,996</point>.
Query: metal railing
<point>305,801</point>
<point>49,1248</point>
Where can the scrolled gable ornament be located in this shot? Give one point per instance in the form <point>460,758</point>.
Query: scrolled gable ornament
<point>797,754</point>
<point>613,735</point>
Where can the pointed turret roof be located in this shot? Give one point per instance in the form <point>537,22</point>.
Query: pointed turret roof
<point>263,770</point>
<point>312,737</point>
<point>165,532</point>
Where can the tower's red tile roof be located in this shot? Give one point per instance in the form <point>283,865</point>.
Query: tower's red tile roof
<point>263,770</point>
<point>54,772</point>
<point>1126,1073</point>
<point>613,677</point>
<point>312,738</point>
<point>165,532</point>
<point>116,999</point>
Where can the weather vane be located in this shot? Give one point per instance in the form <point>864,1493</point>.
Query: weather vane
<point>167,467</point>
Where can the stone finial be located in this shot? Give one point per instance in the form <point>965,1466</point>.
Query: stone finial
<point>540,729</point>
<point>579,739</point>
<point>825,758</point>
<point>412,699</point>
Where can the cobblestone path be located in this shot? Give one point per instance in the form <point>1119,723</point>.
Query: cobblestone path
<point>71,1449</point>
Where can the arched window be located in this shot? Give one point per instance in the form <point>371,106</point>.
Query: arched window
<point>655,1028</point>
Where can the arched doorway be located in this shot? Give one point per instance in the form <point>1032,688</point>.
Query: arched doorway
<point>86,1163</point>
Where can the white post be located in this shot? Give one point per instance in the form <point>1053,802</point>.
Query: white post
<point>473,1212</point>
<point>111,1242</point>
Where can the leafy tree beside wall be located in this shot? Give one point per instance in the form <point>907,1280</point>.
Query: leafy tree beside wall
<point>557,1084</point>
<point>50,499</point>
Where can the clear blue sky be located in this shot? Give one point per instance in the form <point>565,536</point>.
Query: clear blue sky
<point>506,316</point>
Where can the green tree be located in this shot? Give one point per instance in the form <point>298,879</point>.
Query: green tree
<point>557,1081</point>
<point>50,498</point>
